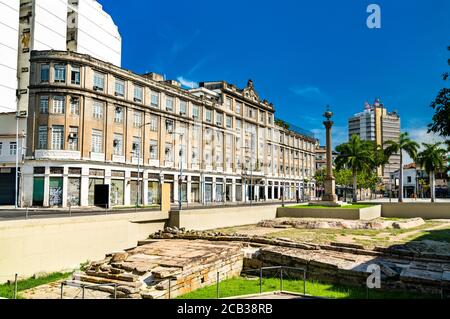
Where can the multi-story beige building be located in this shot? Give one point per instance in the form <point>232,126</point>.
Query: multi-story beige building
<point>98,124</point>
<point>378,125</point>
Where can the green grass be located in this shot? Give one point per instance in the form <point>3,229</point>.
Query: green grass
<point>242,286</point>
<point>353,206</point>
<point>7,290</point>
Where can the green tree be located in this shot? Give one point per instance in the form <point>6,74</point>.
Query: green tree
<point>320,178</point>
<point>405,144</point>
<point>433,160</point>
<point>441,105</point>
<point>357,156</point>
<point>343,179</point>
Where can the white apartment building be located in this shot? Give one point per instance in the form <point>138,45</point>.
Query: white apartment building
<point>27,25</point>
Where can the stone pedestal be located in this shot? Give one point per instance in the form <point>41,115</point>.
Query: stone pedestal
<point>330,190</point>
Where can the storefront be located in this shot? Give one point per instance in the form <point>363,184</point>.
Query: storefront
<point>219,190</point>
<point>239,190</point>
<point>195,189</point>
<point>136,188</point>
<point>117,189</point>
<point>96,177</point>
<point>74,187</point>
<point>56,187</point>
<point>153,191</point>
<point>208,189</point>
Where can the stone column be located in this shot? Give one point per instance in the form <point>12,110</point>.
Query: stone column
<point>330,182</point>
<point>189,188</point>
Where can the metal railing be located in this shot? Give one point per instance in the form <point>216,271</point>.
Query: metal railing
<point>83,288</point>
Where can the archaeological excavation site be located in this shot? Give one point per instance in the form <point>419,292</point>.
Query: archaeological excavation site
<point>179,263</point>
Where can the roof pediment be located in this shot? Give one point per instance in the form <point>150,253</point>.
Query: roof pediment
<point>250,93</point>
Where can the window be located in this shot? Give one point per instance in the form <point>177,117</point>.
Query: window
<point>73,138</point>
<point>153,123</point>
<point>60,73</point>
<point>262,117</point>
<point>43,105</point>
<point>229,103</point>
<point>138,93</point>
<point>169,126</point>
<point>97,141</point>
<point>183,107</point>
<point>45,73</point>
<point>238,125</point>
<point>168,152</point>
<point>195,156</point>
<point>153,149</point>
<point>251,113</point>
<point>75,77</point>
<point>12,148</point>
<point>238,107</point>
<point>137,120</point>
<point>409,179</point>
<point>99,81</point>
<point>118,145</point>
<point>97,110</point>
<point>58,105</point>
<point>57,137</point>
<point>120,87</point>
<point>208,116</point>
<point>195,112</point>
<point>74,106</point>
<point>169,103</point>
<point>42,137</point>
<point>118,114</point>
<point>1,148</point>
<point>270,119</point>
<point>229,122</point>
<point>219,119</point>
<point>155,99</point>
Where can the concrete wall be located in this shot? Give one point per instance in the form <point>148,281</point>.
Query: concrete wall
<point>411,210</point>
<point>49,245</point>
<point>342,213</point>
<point>206,219</point>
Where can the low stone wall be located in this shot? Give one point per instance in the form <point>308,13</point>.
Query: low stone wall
<point>222,217</point>
<point>412,210</point>
<point>49,245</point>
<point>368,213</point>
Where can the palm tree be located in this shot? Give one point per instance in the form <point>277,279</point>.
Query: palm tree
<point>357,156</point>
<point>405,144</point>
<point>433,160</point>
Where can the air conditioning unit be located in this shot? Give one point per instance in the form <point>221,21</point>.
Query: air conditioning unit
<point>96,88</point>
<point>115,143</point>
<point>135,146</point>
<point>118,109</point>
<point>137,100</point>
<point>73,136</point>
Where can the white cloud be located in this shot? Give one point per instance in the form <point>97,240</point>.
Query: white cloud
<point>187,83</point>
<point>307,91</point>
<point>421,135</point>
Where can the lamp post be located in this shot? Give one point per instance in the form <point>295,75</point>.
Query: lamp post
<point>139,162</point>
<point>19,115</point>
<point>180,206</point>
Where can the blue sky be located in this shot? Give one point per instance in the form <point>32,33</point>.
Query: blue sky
<point>300,54</point>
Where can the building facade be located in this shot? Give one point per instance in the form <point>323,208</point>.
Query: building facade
<point>417,181</point>
<point>216,143</point>
<point>378,125</point>
<point>27,25</point>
